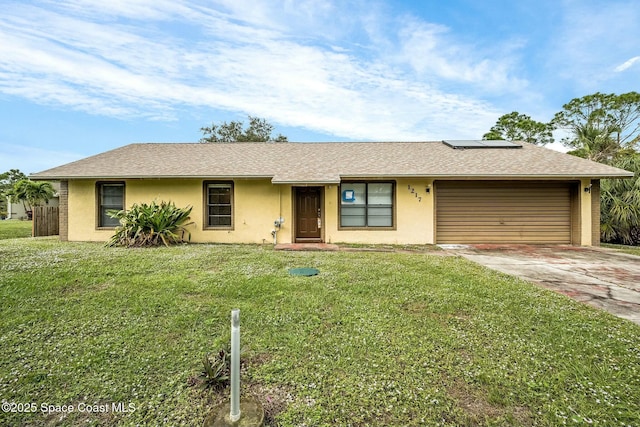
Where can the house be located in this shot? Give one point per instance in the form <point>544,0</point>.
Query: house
<point>370,192</point>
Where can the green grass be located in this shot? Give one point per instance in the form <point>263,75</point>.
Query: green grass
<point>376,339</point>
<point>633,250</point>
<point>13,228</point>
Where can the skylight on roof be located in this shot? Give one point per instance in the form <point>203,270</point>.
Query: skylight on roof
<point>464,144</point>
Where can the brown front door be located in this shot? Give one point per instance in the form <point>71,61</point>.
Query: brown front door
<point>308,214</point>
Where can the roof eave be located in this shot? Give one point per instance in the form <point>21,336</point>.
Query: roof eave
<point>336,180</point>
<point>493,177</point>
<point>305,182</point>
<point>121,177</point>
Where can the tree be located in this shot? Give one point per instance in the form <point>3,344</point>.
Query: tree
<point>520,127</point>
<point>31,193</point>
<point>7,181</point>
<point>259,130</point>
<point>597,144</point>
<point>608,121</point>
<point>620,203</point>
<point>606,128</point>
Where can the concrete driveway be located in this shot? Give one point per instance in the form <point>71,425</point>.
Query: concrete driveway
<point>603,278</point>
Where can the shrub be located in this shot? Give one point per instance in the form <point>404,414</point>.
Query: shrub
<point>216,369</point>
<point>620,204</point>
<point>151,225</point>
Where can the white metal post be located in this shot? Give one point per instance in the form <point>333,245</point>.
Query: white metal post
<point>235,365</point>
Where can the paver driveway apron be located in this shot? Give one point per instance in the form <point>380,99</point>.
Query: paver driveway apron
<point>603,278</point>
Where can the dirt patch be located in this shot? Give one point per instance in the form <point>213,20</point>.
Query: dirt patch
<point>274,400</point>
<point>97,413</point>
<point>259,359</point>
<point>478,410</point>
<point>415,308</point>
<point>196,296</point>
<point>103,286</point>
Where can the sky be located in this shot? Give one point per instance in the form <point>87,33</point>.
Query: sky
<point>79,77</point>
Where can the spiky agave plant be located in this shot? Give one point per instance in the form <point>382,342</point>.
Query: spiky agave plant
<point>151,225</point>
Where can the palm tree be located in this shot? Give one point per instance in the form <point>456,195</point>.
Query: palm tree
<point>620,203</point>
<point>596,143</point>
<point>31,193</point>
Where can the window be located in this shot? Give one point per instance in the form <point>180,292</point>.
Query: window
<point>110,197</point>
<point>219,205</point>
<point>366,204</point>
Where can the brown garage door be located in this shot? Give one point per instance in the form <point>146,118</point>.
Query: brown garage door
<point>503,212</point>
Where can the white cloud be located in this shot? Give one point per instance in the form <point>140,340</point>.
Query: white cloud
<point>432,50</point>
<point>627,64</point>
<point>140,10</point>
<point>116,59</point>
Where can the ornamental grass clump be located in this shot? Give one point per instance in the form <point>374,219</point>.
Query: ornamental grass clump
<point>151,225</point>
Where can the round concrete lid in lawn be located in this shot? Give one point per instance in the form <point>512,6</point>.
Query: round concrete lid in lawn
<point>251,415</point>
<point>305,271</point>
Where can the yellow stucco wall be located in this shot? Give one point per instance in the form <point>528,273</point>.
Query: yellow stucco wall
<point>256,206</point>
<point>585,213</point>
<point>82,213</point>
<point>414,220</point>
<point>258,202</point>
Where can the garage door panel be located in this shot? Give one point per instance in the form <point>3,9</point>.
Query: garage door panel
<point>548,204</point>
<point>528,239</point>
<point>495,193</point>
<point>506,226</point>
<point>502,212</point>
<point>490,201</point>
<point>508,217</point>
<point>506,231</point>
<point>511,232</point>
<point>520,211</point>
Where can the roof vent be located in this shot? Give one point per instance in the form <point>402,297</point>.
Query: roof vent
<point>464,144</point>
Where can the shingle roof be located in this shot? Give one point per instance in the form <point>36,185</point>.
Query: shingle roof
<point>328,162</point>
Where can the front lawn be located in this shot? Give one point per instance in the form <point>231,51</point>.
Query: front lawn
<point>633,250</point>
<point>376,339</point>
<point>13,228</point>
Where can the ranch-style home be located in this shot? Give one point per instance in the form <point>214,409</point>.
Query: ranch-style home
<point>369,192</point>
